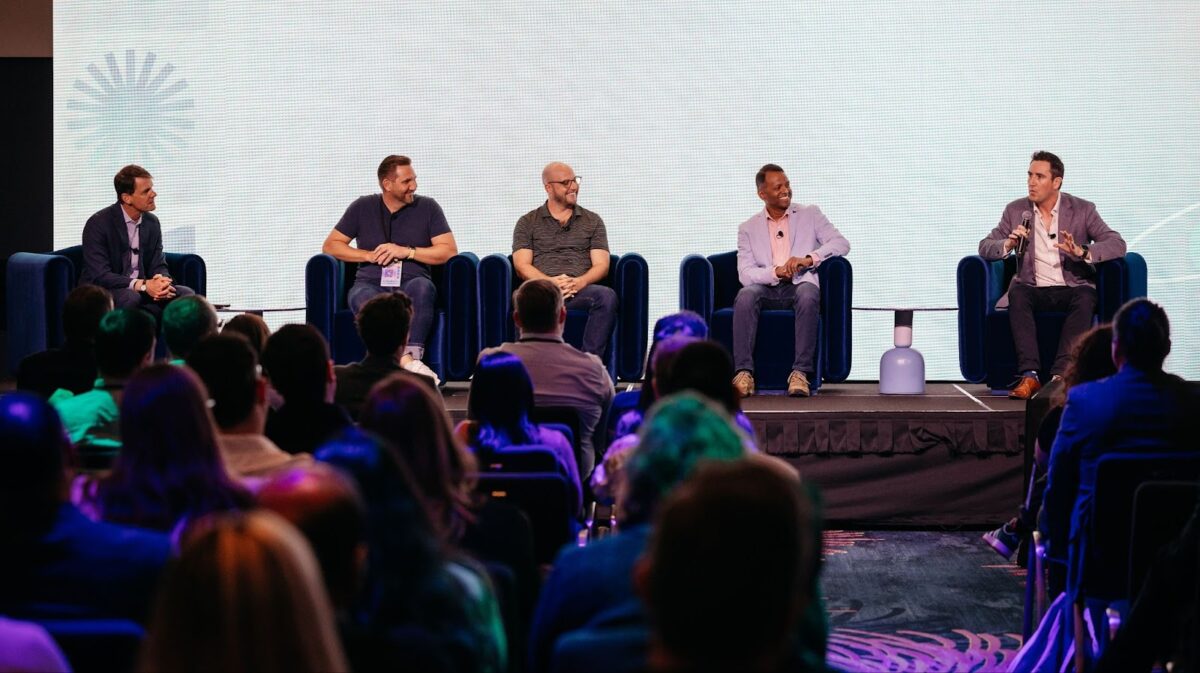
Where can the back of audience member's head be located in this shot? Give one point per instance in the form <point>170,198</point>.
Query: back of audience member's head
<point>187,321</point>
<point>500,400</point>
<point>679,324</point>
<point>169,467</point>
<point>410,416</point>
<point>252,327</point>
<point>383,323</point>
<point>680,431</point>
<point>296,360</point>
<point>742,532</point>
<point>538,304</point>
<point>702,366</point>
<point>1141,335</point>
<point>244,594</point>
<point>1091,357</point>
<point>326,507</point>
<point>33,460</point>
<point>406,557</point>
<point>229,369</point>
<point>82,311</point>
<point>124,342</point>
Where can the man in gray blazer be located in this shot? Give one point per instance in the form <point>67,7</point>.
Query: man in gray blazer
<point>1058,240</point>
<point>779,250</point>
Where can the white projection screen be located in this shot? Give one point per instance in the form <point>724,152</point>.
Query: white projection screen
<point>909,124</point>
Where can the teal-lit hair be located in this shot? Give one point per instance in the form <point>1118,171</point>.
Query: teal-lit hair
<point>680,432</point>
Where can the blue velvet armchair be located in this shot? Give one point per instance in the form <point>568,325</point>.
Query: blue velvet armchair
<point>38,284</point>
<point>985,345</point>
<point>628,276</point>
<point>453,344</point>
<point>708,286</point>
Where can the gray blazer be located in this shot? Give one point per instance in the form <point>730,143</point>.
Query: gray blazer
<point>812,234</point>
<point>1075,215</point>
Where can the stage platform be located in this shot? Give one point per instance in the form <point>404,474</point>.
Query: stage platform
<point>950,457</point>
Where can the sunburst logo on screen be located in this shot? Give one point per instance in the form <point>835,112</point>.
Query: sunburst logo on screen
<point>138,111</point>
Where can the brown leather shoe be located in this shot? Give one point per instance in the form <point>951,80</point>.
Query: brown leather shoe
<point>1025,389</point>
<point>744,383</point>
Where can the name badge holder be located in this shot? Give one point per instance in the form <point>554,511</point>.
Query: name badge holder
<point>391,274</point>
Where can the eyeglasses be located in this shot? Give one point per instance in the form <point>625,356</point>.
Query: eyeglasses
<point>567,183</point>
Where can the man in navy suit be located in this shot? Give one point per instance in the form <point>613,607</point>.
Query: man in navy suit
<point>122,247</point>
<point>778,252</point>
<point>57,562</point>
<point>1141,407</point>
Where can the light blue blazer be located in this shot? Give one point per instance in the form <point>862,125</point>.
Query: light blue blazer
<point>811,233</point>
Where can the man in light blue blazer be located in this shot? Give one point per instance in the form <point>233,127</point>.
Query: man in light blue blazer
<point>779,250</point>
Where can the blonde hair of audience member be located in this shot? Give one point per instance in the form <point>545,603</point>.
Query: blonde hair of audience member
<point>245,594</point>
<point>408,412</point>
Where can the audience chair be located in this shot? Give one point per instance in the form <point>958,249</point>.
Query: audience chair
<point>96,644</point>
<point>38,285</point>
<point>628,276</point>
<point>565,420</point>
<point>1161,510</point>
<point>545,499</point>
<point>602,650</point>
<point>985,346</point>
<point>709,285</point>
<point>522,458</point>
<point>1098,573</point>
<point>453,344</point>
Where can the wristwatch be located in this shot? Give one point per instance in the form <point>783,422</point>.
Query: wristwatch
<point>412,253</point>
<point>142,288</point>
<point>1084,254</point>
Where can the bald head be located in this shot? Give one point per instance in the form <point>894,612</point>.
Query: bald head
<point>562,186</point>
<point>327,508</point>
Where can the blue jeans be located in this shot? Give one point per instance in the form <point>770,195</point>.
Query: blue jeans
<point>423,295</point>
<point>600,302</point>
<point>804,299</point>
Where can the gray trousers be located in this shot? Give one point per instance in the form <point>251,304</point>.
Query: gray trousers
<point>802,298</point>
<point>1079,303</point>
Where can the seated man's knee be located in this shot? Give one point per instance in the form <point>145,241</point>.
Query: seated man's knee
<point>421,291</point>
<point>126,298</point>
<point>184,291</point>
<point>808,297</point>
<point>606,297</point>
<point>1085,299</point>
<point>749,296</point>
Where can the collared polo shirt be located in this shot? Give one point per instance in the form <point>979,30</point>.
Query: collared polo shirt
<point>368,221</point>
<point>558,248</point>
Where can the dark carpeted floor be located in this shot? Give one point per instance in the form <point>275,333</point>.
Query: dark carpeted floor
<point>920,601</point>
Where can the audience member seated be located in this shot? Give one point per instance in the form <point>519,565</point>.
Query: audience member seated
<point>587,581</point>
<point>413,580</point>
<point>230,371</point>
<point>1139,407</point>
<point>498,416</point>
<point>683,323</point>
<point>561,374</point>
<point>297,365</point>
<point>186,322</point>
<point>409,415</point>
<point>1090,360</point>
<point>67,565</point>
<point>245,595</point>
<point>124,344</point>
<point>72,367</point>
<point>382,324</point>
<point>169,471</point>
<point>252,327</point>
<point>27,647</point>
<point>681,363</point>
<point>728,572</point>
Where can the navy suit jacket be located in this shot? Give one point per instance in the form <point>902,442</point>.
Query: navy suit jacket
<point>1129,411</point>
<point>82,568</point>
<point>106,249</point>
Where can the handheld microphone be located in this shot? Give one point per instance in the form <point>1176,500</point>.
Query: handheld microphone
<point>1022,243</point>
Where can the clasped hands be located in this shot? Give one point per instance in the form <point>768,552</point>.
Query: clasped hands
<point>793,266</point>
<point>1066,242</point>
<point>160,287</point>
<point>386,253</point>
<point>569,286</point>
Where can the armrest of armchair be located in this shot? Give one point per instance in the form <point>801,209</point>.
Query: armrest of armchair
<point>632,284</point>
<point>322,291</point>
<point>980,285</point>
<point>837,294</point>
<point>495,300</point>
<point>189,270</point>
<point>35,288</point>
<point>461,300</point>
<point>696,286</point>
<point>1117,281</point>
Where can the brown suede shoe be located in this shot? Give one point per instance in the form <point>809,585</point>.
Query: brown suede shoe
<point>1025,389</point>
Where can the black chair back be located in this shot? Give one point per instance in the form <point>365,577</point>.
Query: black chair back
<point>560,416</point>
<point>545,499</point>
<point>1161,509</point>
<point>96,644</point>
<point>521,458</point>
